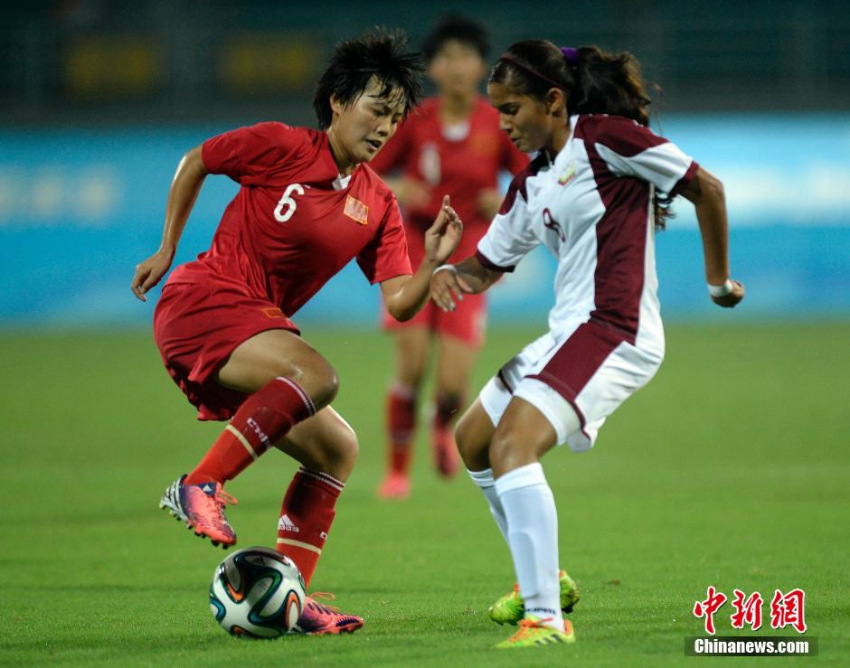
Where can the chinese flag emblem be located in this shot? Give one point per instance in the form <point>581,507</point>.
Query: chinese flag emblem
<point>356,210</point>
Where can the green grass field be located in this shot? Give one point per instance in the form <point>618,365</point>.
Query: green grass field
<point>731,469</point>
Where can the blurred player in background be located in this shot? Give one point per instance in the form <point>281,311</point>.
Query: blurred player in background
<point>450,144</point>
<point>308,205</point>
<point>593,196</point>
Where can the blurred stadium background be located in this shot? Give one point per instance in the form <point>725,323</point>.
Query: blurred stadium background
<point>99,100</point>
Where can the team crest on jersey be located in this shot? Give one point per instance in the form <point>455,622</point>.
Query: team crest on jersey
<point>569,174</point>
<point>272,312</point>
<point>356,210</point>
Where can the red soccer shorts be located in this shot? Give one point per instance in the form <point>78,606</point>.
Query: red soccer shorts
<point>197,327</point>
<point>468,322</point>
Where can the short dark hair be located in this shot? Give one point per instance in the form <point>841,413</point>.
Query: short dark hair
<point>459,28</point>
<point>380,54</point>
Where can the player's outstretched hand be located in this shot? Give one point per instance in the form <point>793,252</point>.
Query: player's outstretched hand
<point>447,286</point>
<point>150,272</point>
<point>443,236</point>
<point>733,298</point>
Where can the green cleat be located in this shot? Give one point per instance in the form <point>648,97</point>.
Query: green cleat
<point>533,632</point>
<point>510,609</point>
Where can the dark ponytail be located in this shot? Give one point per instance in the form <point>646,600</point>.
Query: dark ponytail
<point>613,82</point>
<point>609,83</point>
<point>595,82</point>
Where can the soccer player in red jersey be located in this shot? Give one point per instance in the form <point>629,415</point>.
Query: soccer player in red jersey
<point>450,144</point>
<point>307,205</point>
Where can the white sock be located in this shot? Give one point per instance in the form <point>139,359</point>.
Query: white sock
<point>533,536</point>
<point>485,481</point>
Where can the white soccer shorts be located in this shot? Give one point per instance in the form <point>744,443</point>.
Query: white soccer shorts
<point>576,382</point>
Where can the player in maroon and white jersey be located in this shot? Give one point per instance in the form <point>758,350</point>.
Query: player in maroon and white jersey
<point>450,144</point>
<point>307,205</point>
<point>593,196</point>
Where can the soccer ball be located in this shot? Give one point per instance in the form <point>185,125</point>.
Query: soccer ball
<point>257,592</point>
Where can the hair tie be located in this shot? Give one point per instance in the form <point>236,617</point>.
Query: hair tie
<point>570,55</point>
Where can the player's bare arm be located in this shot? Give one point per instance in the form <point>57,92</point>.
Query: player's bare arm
<point>452,281</point>
<point>184,191</point>
<point>404,296</point>
<point>705,191</point>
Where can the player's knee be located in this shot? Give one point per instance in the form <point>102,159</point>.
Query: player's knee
<point>340,454</point>
<point>411,362</point>
<point>463,435</point>
<point>317,377</point>
<point>412,375</point>
<point>348,448</point>
<point>506,450</point>
<point>328,386</point>
<point>449,400</point>
<point>472,449</point>
<point>452,383</point>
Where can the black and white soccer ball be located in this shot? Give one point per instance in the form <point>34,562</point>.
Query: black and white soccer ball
<point>257,592</point>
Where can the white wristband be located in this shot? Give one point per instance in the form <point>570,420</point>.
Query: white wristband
<point>721,290</point>
<point>442,267</point>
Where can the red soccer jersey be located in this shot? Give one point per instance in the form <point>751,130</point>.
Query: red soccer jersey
<point>294,223</point>
<point>459,165</point>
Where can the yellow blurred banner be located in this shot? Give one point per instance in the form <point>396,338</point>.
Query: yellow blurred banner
<point>269,62</point>
<point>112,67</point>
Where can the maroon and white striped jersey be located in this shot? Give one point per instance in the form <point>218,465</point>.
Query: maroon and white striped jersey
<point>592,208</point>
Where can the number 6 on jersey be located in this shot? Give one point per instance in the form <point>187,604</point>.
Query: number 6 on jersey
<point>286,206</point>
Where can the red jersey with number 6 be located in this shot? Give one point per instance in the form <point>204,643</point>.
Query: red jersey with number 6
<point>294,222</point>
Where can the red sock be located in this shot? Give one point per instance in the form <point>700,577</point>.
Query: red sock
<point>264,418</point>
<point>401,423</point>
<point>448,407</point>
<point>306,516</point>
